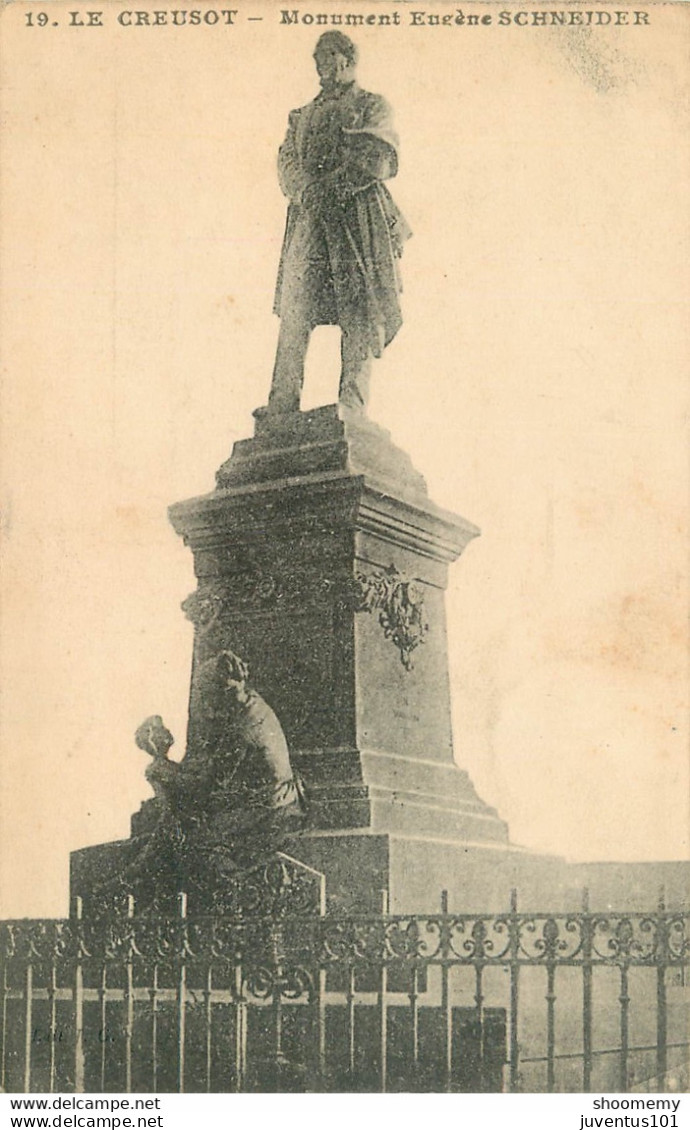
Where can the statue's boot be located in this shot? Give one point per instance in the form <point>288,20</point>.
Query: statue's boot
<point>288,371</point>
<point>355,373</point>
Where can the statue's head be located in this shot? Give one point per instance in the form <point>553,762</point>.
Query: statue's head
<point>335,56</point>
<point>153,737</point>
<point>224,673</point>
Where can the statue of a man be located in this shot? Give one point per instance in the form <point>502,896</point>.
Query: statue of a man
<point>344,233</point>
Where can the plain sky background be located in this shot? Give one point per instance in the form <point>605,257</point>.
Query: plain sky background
<point>539,383</point>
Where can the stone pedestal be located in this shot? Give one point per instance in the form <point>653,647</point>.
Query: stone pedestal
<point>322,561</point>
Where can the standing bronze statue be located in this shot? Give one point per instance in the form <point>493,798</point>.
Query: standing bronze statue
<point>344,233</point>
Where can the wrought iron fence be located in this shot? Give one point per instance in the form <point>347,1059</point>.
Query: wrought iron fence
<point>279,994</point>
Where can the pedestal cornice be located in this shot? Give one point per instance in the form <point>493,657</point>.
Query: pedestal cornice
<point>321,502</point>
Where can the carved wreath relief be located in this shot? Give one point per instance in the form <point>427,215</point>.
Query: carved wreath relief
<point>398,600</point>
<point>400,604</point>
<point>203,609</point>
<point>255,590</point>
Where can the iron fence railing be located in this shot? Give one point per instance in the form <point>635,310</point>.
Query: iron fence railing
<point>302,999</point>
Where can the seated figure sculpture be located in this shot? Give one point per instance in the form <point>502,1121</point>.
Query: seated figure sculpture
<point>232,799</point>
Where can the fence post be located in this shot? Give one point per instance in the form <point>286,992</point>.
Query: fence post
<point>79,1001</point>
<point>208,1013</point>
<point>153,996</point>
<point>319,990</point>
<point>102,1001</point>
<point>446,1004</point>
<point>479,1010</point>
<point>414,1016</point>
<point>129,998</point>
<point>52,1024</point>
<point>28,1022</point>
<point>3,1024</point>
<point>514,991</point>
<point>240,1028</point>
<point>550,948</point>
<point>624,999</point>
<point>586,993</point>
<point>279,982</point>
<point>661,1015</point>
<point>383,1004</point>
<point>181,993</point>
<point>350,1002</point>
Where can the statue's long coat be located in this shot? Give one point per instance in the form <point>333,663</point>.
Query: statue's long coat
<point>241,766</point>
<point>235,774</point>
<point>344,233</point>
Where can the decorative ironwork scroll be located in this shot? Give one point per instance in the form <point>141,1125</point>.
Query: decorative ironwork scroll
<point>275,954</point>
<point>280,887</point>
<point>282,891</point>
<point>399,602</point>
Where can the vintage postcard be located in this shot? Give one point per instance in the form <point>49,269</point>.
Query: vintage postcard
<point>360,330</point>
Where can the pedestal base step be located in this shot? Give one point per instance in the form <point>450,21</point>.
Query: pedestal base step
<point>383,792</point>
<point>328,439</point>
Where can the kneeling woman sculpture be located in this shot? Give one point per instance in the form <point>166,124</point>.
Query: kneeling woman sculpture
<point>232,799</point>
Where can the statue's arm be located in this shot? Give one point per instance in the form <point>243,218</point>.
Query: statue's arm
<point>181,784</point>
<point>290,172</point>
<point>371,145</point>
<point>367,153</point>
<point>196,776</point>
<point>369,158</point>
